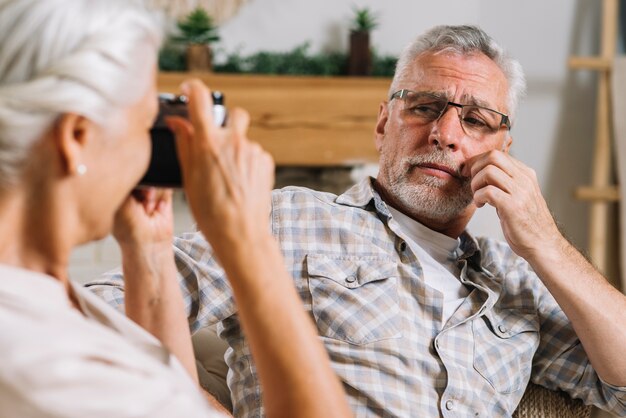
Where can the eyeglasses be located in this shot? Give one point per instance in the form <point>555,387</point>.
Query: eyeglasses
<point>476,121</point>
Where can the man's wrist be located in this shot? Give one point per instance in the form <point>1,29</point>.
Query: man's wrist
<point>550,253</point>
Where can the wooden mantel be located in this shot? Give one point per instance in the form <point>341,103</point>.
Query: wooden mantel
<point>303,121</point>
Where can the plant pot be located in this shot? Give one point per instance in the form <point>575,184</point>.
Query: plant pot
<point>360,60</point>
<point>198,58</point>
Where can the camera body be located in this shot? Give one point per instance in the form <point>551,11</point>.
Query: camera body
<point>164,168</point>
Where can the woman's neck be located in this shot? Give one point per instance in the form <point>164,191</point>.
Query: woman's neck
<point>37,233</point>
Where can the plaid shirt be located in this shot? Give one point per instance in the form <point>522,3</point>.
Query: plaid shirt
<point>382,325</point>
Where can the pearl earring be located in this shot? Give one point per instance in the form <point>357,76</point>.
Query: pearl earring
<point>81,169</point>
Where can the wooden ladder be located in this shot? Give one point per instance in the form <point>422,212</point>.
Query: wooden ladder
<point>601,193</point>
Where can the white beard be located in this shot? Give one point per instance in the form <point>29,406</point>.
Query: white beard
<point>426,198</point>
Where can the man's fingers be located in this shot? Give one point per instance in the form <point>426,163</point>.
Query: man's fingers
<point>497,158</point>
<point>491,195</point>
<point>492,175</point>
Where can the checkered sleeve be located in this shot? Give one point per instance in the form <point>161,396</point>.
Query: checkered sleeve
<point>110,288</point>
<point>561,363</point>
<point>206,292</point>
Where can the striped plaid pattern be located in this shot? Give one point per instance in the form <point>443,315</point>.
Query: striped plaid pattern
<point>382,326</point>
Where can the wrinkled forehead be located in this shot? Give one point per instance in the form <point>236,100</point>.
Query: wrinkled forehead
<point>468,79</point>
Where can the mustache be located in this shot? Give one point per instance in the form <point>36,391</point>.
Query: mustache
<point>436,158</point>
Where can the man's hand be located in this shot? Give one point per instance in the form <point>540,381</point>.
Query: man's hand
<point>592,305</point>
<point>512,188</point>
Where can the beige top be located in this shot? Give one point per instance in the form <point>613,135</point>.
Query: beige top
<point>56,362</point>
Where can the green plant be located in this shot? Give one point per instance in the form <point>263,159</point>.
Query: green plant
<point>297,61</point>
<point>364,20</point>
<point>172,57</point>
<point>197,28</point>
<point>383,65</point>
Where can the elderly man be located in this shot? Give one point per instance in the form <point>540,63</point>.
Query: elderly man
<point>419,317</point>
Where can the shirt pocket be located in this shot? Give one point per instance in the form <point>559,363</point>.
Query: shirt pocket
<point>505,341</point>
<point>354,299</point>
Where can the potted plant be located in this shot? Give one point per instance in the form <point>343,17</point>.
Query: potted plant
<point>360,59</point>
<point>197,32</point>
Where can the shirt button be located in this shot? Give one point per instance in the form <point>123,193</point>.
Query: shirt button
<point>350,279</point>
<point>449,404</point>
<point>502,329</point>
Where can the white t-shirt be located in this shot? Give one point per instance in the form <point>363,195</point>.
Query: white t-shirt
<point>437,254</point>
<point>56,362</point>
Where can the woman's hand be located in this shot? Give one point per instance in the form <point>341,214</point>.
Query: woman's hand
<point>227,178</point>
<point>143,228</point>
<point>145,217</point>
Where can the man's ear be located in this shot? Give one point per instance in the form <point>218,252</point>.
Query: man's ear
<point>71,134</point>
<point>506,145</point>
<point>381,124</point>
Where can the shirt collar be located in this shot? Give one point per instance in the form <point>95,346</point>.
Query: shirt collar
<point>470,250</point>
<point>362,194</point>
<point>29,287</point>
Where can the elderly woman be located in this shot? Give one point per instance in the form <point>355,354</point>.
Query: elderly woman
<point>77,100</point>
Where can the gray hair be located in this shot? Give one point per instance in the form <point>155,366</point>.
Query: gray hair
<point>59,56</point>
<point>464,40</point>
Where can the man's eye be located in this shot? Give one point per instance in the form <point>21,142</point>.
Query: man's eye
<point>474,121</point>
<point>427,110</point>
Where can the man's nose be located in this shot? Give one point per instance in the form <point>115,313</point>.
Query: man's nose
<point>447,130</point>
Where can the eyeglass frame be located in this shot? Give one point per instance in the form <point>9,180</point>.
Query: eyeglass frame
<point>402,93</point>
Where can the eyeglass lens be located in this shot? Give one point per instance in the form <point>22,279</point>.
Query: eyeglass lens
<point>475,120</point>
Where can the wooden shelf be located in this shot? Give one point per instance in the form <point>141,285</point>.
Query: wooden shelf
<point>302,121</point>
<point>590,63</point>
<point>598,194</point>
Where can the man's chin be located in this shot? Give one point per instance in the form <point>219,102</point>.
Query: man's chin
<point>434,203</point>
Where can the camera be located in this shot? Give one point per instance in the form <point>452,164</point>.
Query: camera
<point>164,168</point>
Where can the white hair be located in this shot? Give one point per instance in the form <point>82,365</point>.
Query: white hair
<point>59,56</point>
<point>465,40</point>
